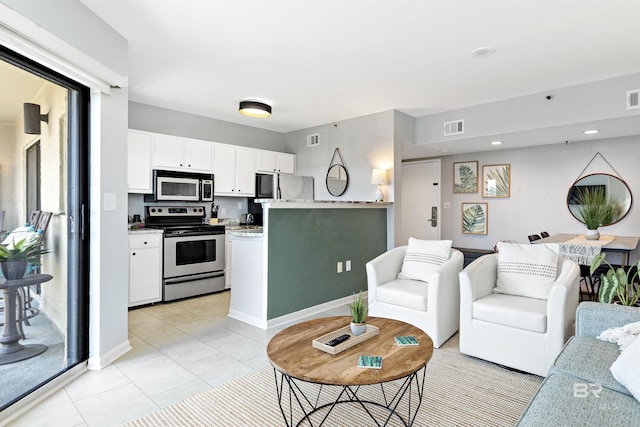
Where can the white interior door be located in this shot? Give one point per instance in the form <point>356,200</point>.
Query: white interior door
<point>420,201</point>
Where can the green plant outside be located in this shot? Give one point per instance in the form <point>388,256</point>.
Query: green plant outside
<point>596,209</point>
<point>617,283</point>
<point>23,249</point>
<point>358,309</point>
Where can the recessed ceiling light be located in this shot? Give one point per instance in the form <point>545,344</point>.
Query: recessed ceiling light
<point>496,142</point>
<point>591,131</point>
<point>483,51</point>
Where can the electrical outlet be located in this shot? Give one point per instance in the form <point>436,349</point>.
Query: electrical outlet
<point>347,265</point>
<point>340,267</point>
<point>223,212</point>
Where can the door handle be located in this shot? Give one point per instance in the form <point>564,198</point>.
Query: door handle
<point>434,216</point>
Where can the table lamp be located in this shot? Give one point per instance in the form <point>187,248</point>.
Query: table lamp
<point>379,178</point>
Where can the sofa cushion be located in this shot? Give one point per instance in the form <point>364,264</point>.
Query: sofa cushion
<point>526,270</point>
<point>405,293</point>
<point>516,312</point>
<point>589,359</point>
<point>563,401</point>
<point>423,257</point>
<point>626,368</point>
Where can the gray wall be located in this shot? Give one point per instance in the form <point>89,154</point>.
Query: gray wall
<point>171,122</point>
<point>540,179</point>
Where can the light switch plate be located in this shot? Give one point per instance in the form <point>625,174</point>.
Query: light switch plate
<point>446,205</point>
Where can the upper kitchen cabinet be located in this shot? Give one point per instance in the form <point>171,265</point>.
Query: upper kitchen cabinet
<point>139,149</point>
<point>235,170</point>
<point>174,153</point>
<point>272,161</point>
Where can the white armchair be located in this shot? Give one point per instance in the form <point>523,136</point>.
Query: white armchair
<point>516,331</point>
<point>432,306</point>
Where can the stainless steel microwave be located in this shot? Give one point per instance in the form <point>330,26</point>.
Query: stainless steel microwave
<point>182,186</point>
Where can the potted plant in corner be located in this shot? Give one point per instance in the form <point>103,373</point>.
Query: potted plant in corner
<point>617,283</point>
<point>358,315</point>
<point>596,209</point>
<point>14,258</point>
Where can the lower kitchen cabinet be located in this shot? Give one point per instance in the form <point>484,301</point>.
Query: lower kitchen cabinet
<point>145,268</point>
<point>227,254</point>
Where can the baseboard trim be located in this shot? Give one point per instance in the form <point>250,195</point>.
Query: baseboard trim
<point>297,316</point>
<point>252,320</point>
<point>99,362</point>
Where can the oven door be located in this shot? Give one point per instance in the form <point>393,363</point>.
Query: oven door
<point>187,255</point>
<point>177,189</point>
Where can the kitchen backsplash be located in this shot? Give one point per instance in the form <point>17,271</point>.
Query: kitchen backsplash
<point>230,207</point>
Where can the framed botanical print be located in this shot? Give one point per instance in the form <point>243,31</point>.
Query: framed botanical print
<point>465,177</point>
<point>496,180</point>
<point>474,218</point>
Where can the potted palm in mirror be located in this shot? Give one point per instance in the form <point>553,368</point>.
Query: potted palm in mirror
<point>15,257</point>
<point>617,284</point>
<point>358,315</point>
<point>596,209</point>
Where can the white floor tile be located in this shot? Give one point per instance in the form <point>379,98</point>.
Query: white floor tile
<point>57,410</point>
<point>91,383</point>
<point>115,407</point>
<point>179,393</point>
<point>156,374</point>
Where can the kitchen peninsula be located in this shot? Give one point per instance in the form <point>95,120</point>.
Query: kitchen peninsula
<point>290,269</point>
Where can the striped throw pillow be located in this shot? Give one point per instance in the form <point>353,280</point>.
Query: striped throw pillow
<point>423,257</point>
<point>526,270</point>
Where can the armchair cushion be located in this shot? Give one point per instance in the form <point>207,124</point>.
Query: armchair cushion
<point>423,257</point>
<point>512,311</point>
<point>406,293</point>
<point>526,270</point>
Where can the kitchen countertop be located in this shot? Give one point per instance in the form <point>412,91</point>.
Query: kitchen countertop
<point>247,232</point>
<point>145,231</point>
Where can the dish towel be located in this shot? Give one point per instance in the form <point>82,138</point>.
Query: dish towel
<point>581,250</point>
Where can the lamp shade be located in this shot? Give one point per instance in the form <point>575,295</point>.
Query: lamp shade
<point>379,177</point>
<point>255,109</point>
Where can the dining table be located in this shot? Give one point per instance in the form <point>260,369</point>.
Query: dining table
<point>623,245</point>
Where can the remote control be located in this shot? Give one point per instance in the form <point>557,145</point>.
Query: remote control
<point>334,342</point>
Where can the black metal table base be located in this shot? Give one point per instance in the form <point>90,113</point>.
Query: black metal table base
<point>314,405</point>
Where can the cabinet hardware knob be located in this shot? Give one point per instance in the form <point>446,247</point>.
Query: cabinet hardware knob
<point>133,254</point>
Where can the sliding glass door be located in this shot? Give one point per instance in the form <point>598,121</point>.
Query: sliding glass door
<point>43,193</point>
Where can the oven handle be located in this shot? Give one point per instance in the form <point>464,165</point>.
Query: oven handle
<point>192,277</point>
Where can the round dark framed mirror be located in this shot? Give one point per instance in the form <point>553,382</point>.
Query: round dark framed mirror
<point>613,189</point>
<point>337,180</point>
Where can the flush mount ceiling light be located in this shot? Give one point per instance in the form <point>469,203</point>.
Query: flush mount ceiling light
<point>591,131</point>
<point>496,142</point>
<point>483,51</point>
<point>255,109</point>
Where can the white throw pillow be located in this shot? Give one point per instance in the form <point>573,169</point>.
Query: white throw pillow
<point>626,368</point>
<point>423,257</point>
<point>623,335</point>
<point>526,270</point>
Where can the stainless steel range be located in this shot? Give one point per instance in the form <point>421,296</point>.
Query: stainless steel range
<point>193,260</point>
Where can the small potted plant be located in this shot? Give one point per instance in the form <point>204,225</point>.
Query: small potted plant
<point>14,258</point>
<point>596,209</point>
<point>358,315</point>
<point>617,283</point>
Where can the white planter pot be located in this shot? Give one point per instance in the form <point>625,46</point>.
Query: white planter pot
<point>592,235</point>
<point>358,328</point>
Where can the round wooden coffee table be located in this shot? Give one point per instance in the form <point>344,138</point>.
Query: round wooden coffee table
<point>297,365</point>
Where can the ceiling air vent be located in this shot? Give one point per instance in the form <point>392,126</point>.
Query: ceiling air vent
<point>455,127</point>
<point>313,140</point>
<point>632,99</point>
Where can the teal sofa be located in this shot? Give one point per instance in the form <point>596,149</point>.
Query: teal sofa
<point>580,390</point>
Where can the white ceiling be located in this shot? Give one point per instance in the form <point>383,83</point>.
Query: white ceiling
<point>317,62</point>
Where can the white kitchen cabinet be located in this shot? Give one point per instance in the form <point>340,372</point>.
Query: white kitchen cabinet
<point>273,161</point>
<point>234,169</point>
<point>139,148</point>
<point>175,153</point>
<point>145,268</point>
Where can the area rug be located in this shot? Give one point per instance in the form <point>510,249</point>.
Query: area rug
<point>459,391</point>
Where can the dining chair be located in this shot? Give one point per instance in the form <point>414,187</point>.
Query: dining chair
<point>534,237</point>
<point>544,234</point>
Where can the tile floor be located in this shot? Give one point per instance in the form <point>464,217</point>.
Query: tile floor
<point>178,350</point>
